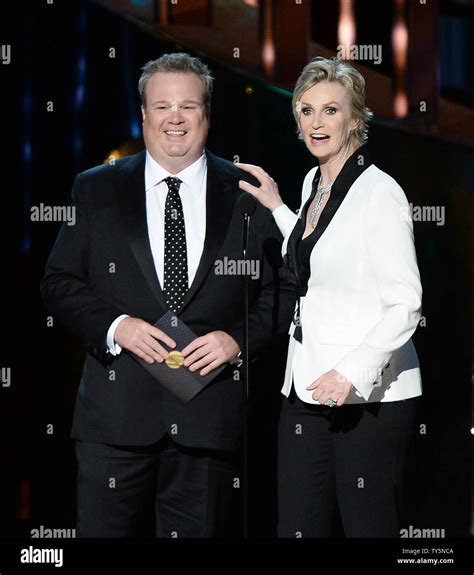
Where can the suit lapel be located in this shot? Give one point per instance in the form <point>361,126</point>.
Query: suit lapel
<point>221,195</point>
<point>356,164</point>
<point>133,210</point>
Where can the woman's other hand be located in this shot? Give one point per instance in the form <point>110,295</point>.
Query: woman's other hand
<point>332,385</point>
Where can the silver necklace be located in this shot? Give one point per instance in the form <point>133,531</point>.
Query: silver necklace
<point>322,191</point>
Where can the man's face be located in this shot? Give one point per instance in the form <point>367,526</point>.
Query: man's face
<point>175,123</point>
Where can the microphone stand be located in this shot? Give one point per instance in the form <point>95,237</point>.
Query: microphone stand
<point>245,373</point>
<point>247,205</point>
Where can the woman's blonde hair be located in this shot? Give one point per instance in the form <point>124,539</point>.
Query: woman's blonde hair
<point>335,70</point>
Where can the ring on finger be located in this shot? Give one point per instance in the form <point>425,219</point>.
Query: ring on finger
<point>331,402</point>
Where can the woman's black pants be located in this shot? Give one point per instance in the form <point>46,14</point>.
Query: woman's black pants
<point>350,456</point>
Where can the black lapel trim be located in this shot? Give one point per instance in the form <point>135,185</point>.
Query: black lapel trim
<point>133,211</point>
<point>351,170</point>
<point>221,194</point>
<point>355,165</point>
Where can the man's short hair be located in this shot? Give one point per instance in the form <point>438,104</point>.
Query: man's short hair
<point>180,63</point>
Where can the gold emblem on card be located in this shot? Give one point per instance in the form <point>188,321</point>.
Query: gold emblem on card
<point>175,360</point>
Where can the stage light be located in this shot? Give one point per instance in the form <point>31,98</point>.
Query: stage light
<point>126,149</point>
<point>346,29</point>
<point>400,57</point>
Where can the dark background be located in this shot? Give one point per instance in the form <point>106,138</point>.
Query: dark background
<point>61,55</point>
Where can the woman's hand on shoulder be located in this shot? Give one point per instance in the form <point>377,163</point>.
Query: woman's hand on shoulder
<point>267,194</point>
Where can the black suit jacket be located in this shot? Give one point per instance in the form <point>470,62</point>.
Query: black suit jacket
<point>103,267</point>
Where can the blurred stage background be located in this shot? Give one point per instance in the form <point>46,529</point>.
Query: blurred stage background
<point>70,98</point>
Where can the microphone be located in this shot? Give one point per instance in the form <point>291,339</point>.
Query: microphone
<point>247,204</point>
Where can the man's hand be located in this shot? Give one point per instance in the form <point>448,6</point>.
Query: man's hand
<point>331,385</point>
<point>142,338</point>
<point>210,351</point>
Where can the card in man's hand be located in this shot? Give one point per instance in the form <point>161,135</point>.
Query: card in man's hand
<point>172,374</point>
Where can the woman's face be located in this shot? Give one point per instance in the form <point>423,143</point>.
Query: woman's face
<point>326,120</point>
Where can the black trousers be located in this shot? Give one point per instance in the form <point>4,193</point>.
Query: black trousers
<point>159,490</point>
<point>350,456</point>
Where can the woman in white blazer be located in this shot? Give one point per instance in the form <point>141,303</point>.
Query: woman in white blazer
<point>352,372</point>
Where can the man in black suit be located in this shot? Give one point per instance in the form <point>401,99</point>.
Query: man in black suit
<point>150,232</point>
